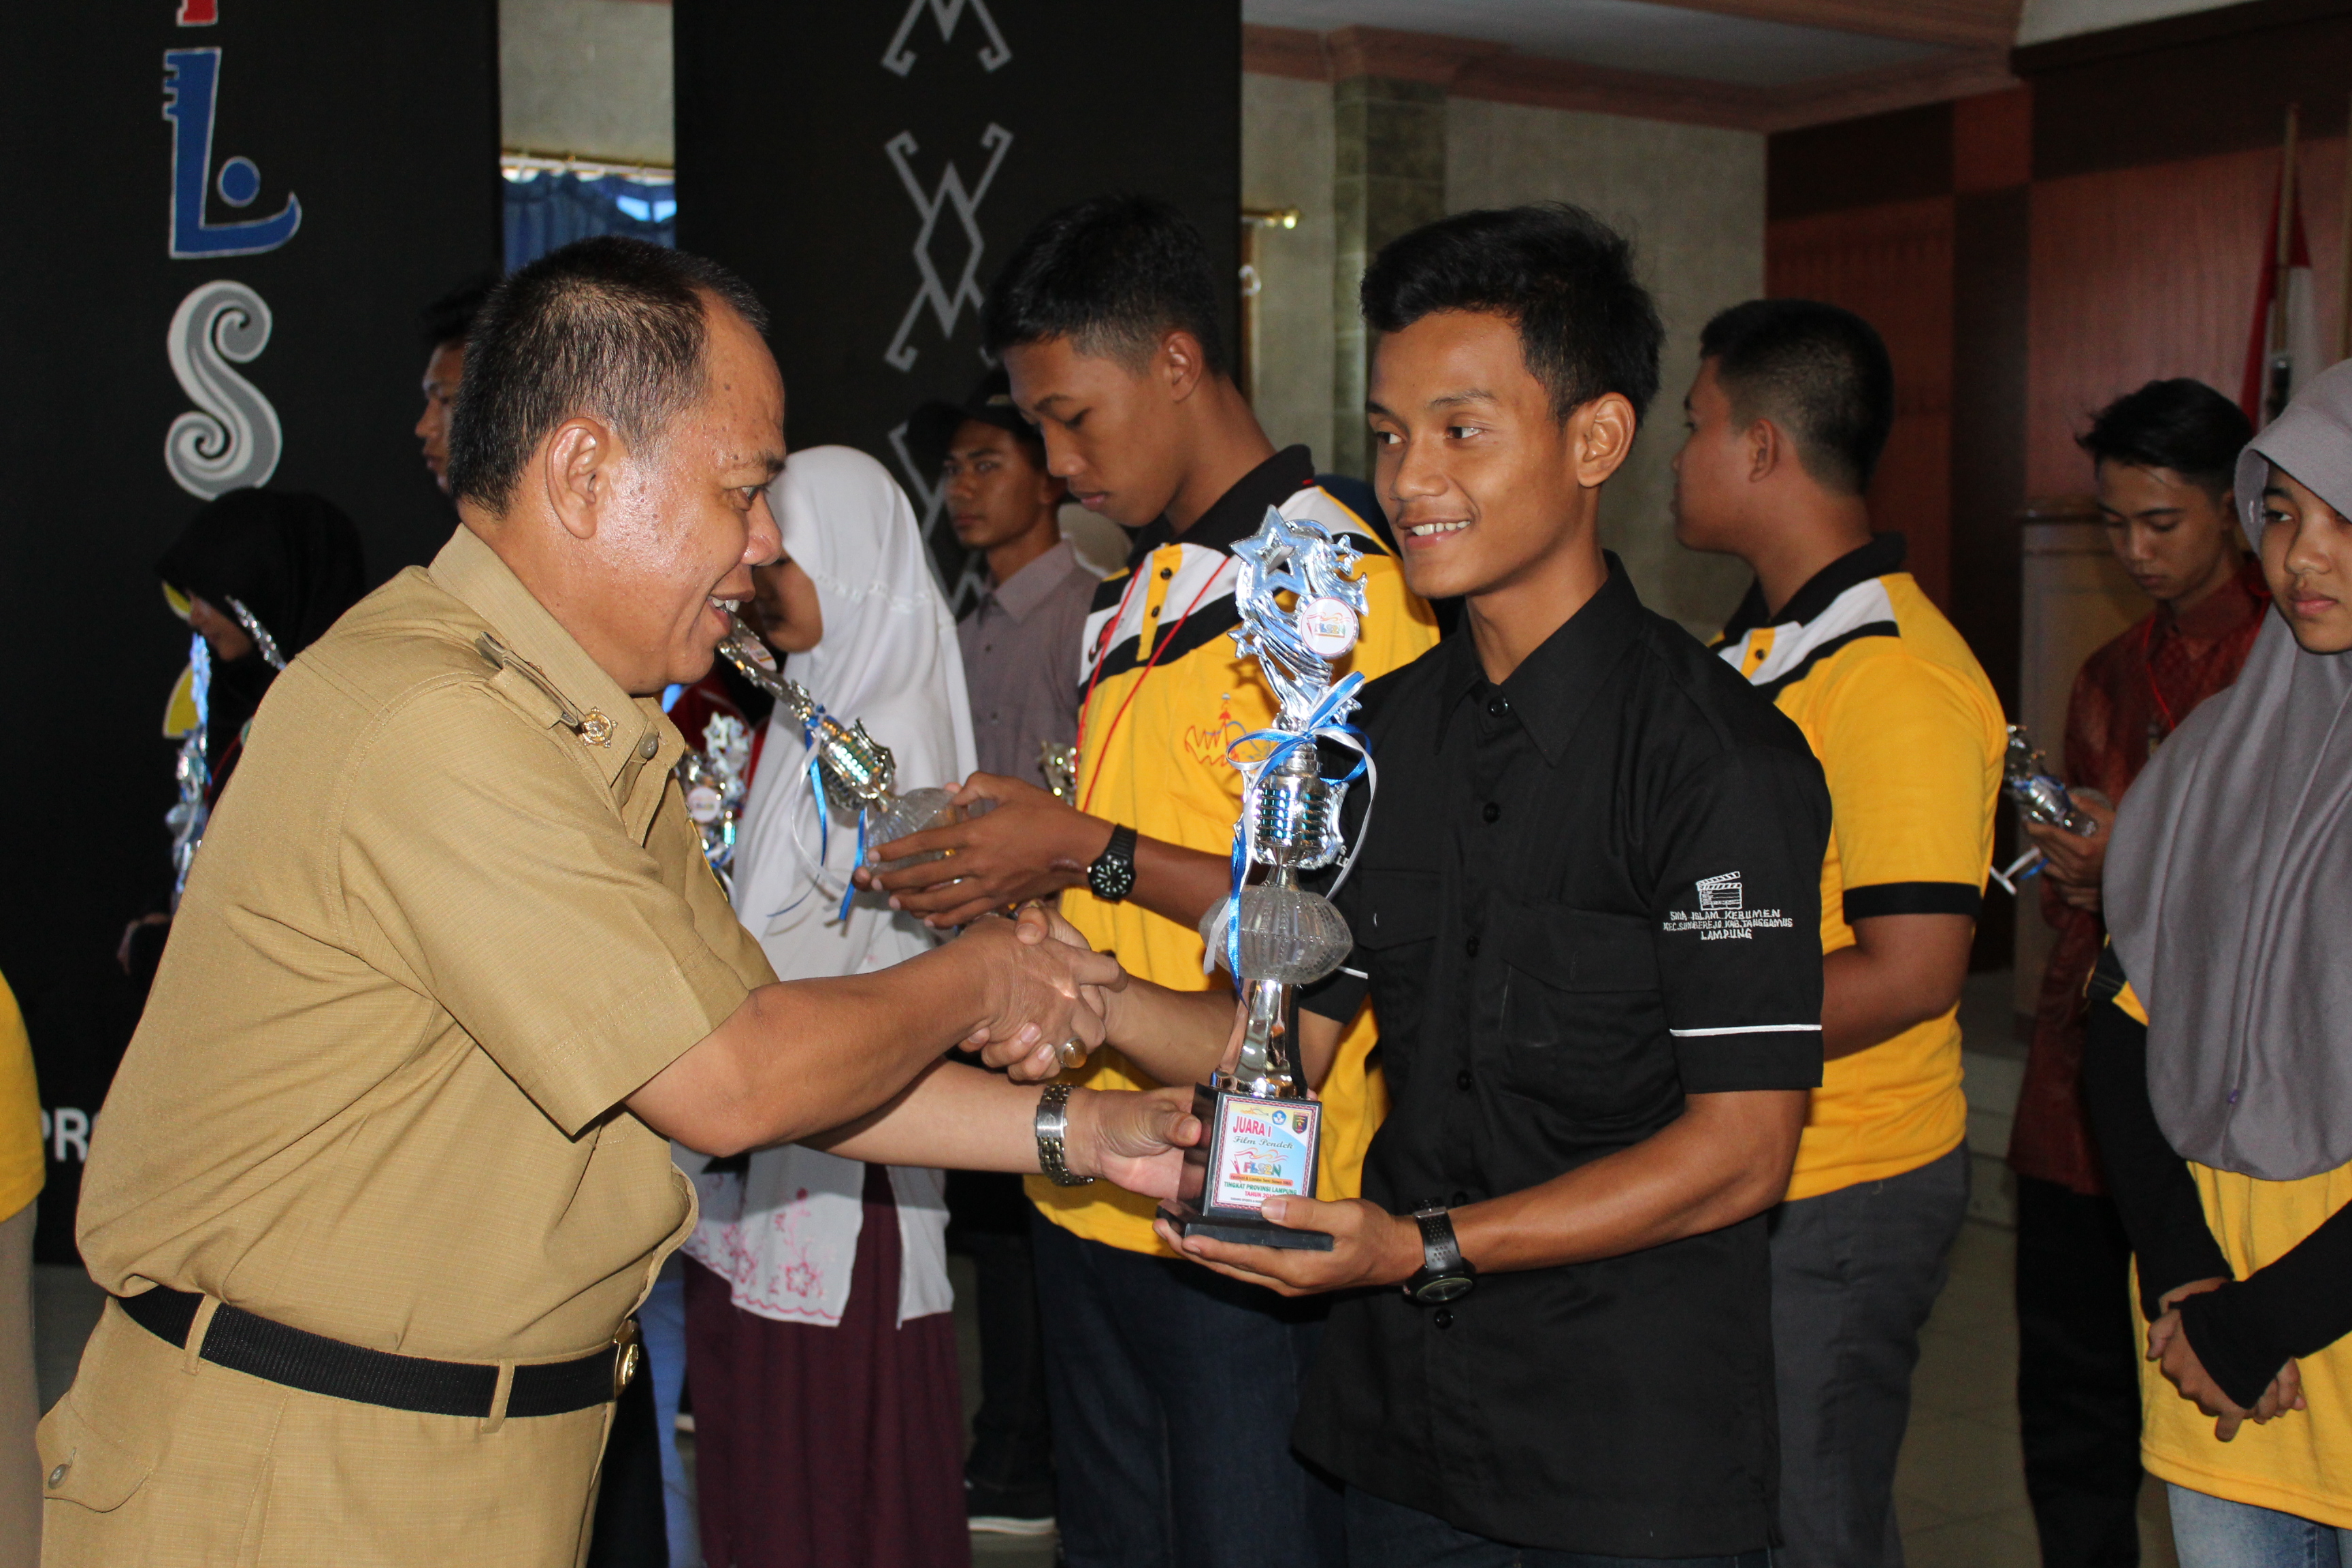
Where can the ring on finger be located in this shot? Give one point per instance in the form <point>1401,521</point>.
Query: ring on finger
<point>1071,1053</point>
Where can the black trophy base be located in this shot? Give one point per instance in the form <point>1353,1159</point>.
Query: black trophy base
<point>1243,1230</point>
<point>1275,1138</point>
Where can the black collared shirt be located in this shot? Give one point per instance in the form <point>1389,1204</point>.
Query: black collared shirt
<point>1583,894</point>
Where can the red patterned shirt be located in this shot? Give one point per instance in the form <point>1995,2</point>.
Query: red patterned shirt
<point>2128,697</point>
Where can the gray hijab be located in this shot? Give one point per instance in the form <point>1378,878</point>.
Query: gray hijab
<point>2229,884</point>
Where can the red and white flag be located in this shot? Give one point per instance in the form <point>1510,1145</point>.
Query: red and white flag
<point>2273,374</point>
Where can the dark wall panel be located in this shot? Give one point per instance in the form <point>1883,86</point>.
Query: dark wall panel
<point>1895,157</point>
<point>1892,265</point>
<point>870,194</point>
<point>1991,267</point>
<point>2188,86</point>
<point>359,145</point>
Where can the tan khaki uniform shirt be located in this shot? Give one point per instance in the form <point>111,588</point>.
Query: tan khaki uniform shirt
<point>451,915</point>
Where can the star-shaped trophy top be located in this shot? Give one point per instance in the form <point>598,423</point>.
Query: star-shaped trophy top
<point>1295,646</point>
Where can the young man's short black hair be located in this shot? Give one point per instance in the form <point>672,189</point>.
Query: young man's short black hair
<point>2182,424</point>
<point>608,326</point>
<point>1565,278</point>
<point>1111,274</point>
<point>450,319</point>
<point>1819,372</point>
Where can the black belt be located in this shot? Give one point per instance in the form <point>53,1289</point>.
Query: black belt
<point>316,1364</point>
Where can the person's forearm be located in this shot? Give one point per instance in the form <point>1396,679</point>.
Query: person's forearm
<point>959,1117</point>
<point>800,1056</point>
<point>1713,1166</point>
<point>1176,1037</point>
<point>1179,884</point>
<point>2153,1192</point>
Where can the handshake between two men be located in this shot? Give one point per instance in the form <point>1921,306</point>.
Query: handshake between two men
<point>854,1065</point>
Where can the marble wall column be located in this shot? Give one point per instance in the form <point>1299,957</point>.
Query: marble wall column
<point>1388,178</point>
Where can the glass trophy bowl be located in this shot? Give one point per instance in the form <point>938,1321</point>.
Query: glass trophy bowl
<point>1290,936</point>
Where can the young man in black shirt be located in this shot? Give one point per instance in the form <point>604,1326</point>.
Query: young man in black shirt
<point>1587,913</point>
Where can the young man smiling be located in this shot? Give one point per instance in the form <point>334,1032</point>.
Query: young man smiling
<point>1584,914</point>
<point>1172,1394</point>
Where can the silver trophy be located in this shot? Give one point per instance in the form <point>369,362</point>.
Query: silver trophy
<point>712,781</point>
<point>192,814</point>
<point>187,819</point>
<point>2026,778</point>
<point>1263,1130</point>
<point>857,771</point>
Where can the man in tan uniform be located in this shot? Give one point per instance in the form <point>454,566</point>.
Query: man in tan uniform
<point>385,1171</point>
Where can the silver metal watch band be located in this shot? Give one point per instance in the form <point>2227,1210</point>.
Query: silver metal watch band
<point>1053,1130</point>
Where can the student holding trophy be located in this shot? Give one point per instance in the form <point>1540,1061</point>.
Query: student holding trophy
<point>1586,912</point>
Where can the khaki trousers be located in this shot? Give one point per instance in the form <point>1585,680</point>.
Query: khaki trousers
<point>155,1458</point>
<point>20,1399</point>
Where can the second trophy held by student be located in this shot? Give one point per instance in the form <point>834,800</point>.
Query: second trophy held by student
<point>1264,1131</point>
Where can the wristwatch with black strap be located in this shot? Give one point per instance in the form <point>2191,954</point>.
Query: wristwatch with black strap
<point>1444,1274</point>
<point>1112,875</point>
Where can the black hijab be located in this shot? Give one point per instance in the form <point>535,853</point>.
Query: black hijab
<point>292,560</point>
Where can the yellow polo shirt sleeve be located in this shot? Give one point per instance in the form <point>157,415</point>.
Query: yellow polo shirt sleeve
<point>1911,749</point>
<point>1906,746</point>
<point>491,879</point>
<point>22,1170</point>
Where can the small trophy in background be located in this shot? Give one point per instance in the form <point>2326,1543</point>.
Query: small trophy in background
<point>2026,778</point>
<point>1059,762</point>
<point>712,779</point>
<point>1263,1130</point>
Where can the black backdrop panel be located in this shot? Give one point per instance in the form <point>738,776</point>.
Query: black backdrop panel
<point>867,167</point>
<point>357,146</point>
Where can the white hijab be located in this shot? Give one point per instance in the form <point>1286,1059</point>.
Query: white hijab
<point>785,1234</point>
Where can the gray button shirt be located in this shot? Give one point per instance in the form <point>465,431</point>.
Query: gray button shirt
<point>1020,652</point>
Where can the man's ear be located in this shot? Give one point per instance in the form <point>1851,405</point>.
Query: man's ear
<point>1768,448</point>
<point>1179,363</point>
<point>575,464</point>
<point>1601,434</point>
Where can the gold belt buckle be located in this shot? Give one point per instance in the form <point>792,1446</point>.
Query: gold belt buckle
<point>627,1350</point>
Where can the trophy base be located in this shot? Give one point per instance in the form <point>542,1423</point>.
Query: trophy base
<point>1254,1149</point>
<point>1243,1230</point>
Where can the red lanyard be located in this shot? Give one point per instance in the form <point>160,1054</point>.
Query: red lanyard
<point>1102,647</point>
<point>2147,662</point>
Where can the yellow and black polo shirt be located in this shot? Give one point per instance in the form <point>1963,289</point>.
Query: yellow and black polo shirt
<point>1152,755</point>
<point>1911,737</point>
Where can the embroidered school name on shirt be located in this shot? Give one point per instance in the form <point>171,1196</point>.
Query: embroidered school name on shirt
<point>1723,914</point>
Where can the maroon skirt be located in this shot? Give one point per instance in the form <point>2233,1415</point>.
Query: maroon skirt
<point>815,1448</point>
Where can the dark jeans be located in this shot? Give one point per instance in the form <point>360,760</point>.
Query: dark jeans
<point>1855,1273</point>
<point>1383,1534</point>
<point>2077,1376</point>
<point>1012,1458</point>
<point>1174,1391</point>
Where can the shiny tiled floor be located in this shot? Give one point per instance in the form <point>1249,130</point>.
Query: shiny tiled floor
<point>1960,1490</point>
